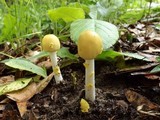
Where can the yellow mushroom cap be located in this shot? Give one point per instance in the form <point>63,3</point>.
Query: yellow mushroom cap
<point>89,45</point>
<point>50,43</point>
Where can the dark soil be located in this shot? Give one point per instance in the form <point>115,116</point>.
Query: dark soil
<point>62,102</point>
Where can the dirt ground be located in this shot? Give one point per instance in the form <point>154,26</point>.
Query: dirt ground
<point>62,102</point>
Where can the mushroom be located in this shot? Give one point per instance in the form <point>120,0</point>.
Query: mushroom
<point>51,44</point>
<point>89,46</point>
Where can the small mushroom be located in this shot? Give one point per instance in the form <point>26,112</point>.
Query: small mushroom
<point>51,44</point>
<point>89,46</point>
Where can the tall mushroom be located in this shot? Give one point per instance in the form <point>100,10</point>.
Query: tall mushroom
<point>51,44</point>
<point>89,46</point>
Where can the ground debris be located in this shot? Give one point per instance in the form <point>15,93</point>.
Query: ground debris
<point>136,100</point>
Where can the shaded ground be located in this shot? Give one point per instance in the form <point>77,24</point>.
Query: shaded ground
<point>61,102</point>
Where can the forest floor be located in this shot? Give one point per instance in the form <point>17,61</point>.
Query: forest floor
<point>131,93</point>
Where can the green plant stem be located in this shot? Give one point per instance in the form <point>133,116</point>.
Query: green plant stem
<point>2,53</point>
<point>35,33</point>
<point>55,28</point>
<point>62,36</point>
<point>5,4</point>
<point>13,46</point>
<point>67,26</point>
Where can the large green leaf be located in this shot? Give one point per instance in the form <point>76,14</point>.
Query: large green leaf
<point>131,17</point>
<point>23,64</point>
<point>68,14</point>
<point>107,31</point>
<point>108,55</point>
<point>16,85</point>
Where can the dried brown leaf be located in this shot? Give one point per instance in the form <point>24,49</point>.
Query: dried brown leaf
<point>6,79</point>
<point>137,100</point>
<point>43,83</point>
<point>155,41</point>
<point>22,107</point>
<point>152,77</point>
<point>24,94</point>
<point>31,54</point>
<point>47,64</point>
<point>150,57</point>
<point>137,68</point>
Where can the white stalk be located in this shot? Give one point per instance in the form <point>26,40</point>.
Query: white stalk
<point>57,73</point>
<point>89,80</point>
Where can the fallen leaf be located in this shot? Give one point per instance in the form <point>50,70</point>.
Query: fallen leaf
<point>136,100</point>
<point>22,107</point>
<point>46,64</point>
<point>152,50</point>
<point>43,83</point>
<point>150,57</point>
<point>6,79</point>
<point>3,105</point>
<point>151,113</point>
<point>156,41</point>
<point>24,94</point>
<point>137,68</point>
<point>15,85</point>
<point>150,31</point>
<point>152,77</point>
<point>31,55</point>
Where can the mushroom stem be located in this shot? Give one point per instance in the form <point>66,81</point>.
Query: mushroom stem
<point>89,80</point>
<point>57,73</point>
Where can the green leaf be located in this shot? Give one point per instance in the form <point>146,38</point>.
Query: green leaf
<point>80,5</point>
<point>23,64</point>
<point>68,14</point>
<point>158,59</point>
<point>104,11</point>
<point>107,31</point>
<point>156,69</point>
<point>132,17</point>
<point>157,26</point>
<point>64,53</point>
<point>113,57</point>
<point>108,55</point>
<point>67,62</point>
<point>16,85</point>
<point>135,55</point>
